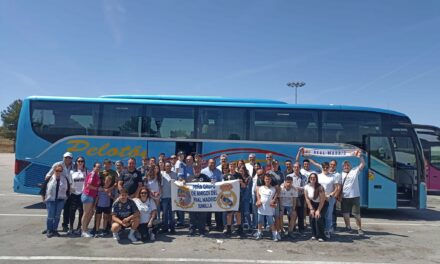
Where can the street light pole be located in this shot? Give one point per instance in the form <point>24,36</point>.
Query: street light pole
<point>295,85</point>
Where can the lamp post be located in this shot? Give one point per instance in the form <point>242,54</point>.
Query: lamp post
<point>296,84</point>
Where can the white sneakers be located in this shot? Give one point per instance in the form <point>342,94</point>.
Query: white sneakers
<point>86,234</point>
<point>116,236</point>
<point>131,236</point>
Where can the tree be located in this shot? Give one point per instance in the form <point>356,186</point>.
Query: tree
<point>10,119</point>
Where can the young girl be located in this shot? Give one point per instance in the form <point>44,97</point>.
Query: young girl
<point>104,206</point>
<point>153,182</point>
<point>317,204</point>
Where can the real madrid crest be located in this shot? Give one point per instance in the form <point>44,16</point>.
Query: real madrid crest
<point>184,199</point>
<point>227,198</point>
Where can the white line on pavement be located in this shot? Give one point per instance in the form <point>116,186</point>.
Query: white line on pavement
<point>18,195</point>
<point>59,258</point>
<point>26,215</point>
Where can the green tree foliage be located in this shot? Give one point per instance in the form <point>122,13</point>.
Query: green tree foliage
<point>10,119</point>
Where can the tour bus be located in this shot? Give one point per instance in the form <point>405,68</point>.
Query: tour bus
<point>430,139</point>
<point>121,126</point>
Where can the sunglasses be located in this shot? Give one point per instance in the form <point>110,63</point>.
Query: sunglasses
<point>59,171</point>
<point>144,193</point>
<point>79,161</point>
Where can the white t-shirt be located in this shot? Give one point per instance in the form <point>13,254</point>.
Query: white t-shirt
<point>351,184</point>
<point>250,168</point>
<point>167,179</point>
<point>145,209</point>
<point>327,181</point>
<point>286,196</point>
<point>338,177</point>
<point>311,192</point>
<point>78,178</point>
<point>266,196</point>
<point>306,173</point>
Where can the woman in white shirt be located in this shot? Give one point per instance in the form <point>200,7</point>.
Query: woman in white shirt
<point>315,198</point>
<point>148,212</point>
<point>78,174</point>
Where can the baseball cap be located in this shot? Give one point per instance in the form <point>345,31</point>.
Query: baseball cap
<point>68,154</point>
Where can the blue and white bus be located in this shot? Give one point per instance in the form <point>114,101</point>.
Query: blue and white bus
<point>121,126</point>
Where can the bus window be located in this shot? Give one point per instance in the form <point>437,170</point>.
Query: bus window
<point>121,120</point>
<point>170,121</point>
<point>283,125</point>
<point>435,156</point>
<point>55,120</point>
<point>349,127</point>
<point>222,123</point>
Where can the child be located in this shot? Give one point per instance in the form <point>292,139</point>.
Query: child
<point>103,206</point>
<point>266,203</point>
<point>288,196</point>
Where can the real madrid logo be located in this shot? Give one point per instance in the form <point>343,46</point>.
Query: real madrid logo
<point>227,198</point>
<point>184,199</point>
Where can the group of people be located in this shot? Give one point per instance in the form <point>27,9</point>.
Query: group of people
<point>139,198</point>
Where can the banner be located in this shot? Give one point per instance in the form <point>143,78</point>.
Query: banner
<point>329,152</point>
<point>205,196</point>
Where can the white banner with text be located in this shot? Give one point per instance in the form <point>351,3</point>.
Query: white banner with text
<point>329,152</point>
<point>205,196</point>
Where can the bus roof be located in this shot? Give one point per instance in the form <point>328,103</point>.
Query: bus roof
<point>214,102</point>
<point>195,98</point>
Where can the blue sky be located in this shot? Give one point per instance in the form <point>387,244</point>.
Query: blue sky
<point>369,53</point>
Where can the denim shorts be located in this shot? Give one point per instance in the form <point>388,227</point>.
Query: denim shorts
<point>269,219</point>
<point>86,198</point>
<point>286,210</point>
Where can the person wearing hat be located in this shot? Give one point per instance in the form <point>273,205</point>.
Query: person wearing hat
<point>67,164</point>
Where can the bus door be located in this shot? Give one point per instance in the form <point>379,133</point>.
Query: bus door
<point>382,187</point>
<point>433,168</point>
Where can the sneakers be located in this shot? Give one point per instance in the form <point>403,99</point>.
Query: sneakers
<point>327,234</point>
<point>320,240</point>
<point>259,236</point>
<point>86,235</point>
<point>152,237</point>
<point>65,228</point>
<point>49,234</point>
<point>275,238</point>
<point>132,237</point>
<point>313,238</point>
<point>360,232</point>
<point>292,235</point>
<point>347,229</point>
<point>116,236</point>
<point>278,236</point>
<point>77,232</point>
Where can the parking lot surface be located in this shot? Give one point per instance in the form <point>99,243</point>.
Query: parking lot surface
<point>392,236</point>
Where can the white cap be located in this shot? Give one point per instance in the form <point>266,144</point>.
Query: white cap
<point>68,154</point>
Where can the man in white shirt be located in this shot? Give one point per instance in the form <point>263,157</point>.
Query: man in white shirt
<point>168,177</point>
<point>351,194</point>
<point>250,165</point>
<point>223,161</point>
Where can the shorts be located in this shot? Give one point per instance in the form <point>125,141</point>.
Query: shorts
<point>286,210</point>
<point>103,210</point>
<point>269,219</point>
<point>87,199</point>
<point>352,205</point>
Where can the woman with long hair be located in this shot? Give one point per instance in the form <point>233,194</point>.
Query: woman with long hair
<point>315,199</point>
<point>78,175</point>
<point>148,211</point>
<point>88,197</point>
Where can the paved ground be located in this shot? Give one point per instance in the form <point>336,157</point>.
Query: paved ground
<point>402,236</point>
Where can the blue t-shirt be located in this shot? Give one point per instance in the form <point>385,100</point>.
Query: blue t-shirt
<point>103,199</point>
<point>124,210</point>
<point>131,180</point>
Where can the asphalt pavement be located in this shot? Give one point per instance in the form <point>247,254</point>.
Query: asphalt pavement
<point>391,236</point>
